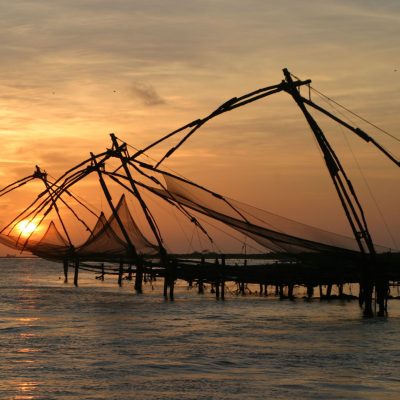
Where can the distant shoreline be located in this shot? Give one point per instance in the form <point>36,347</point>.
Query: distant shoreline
<point>16,256</point>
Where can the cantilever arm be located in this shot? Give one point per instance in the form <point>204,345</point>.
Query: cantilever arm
<point>229,105</point>
<point>359,132</point>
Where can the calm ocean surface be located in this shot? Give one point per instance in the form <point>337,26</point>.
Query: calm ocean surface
<point>100,341</point>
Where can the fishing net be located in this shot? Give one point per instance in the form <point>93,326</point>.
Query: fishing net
<point>109,242</point>
<point>106,242</point>
<point>272,231</point>
<point>52,245</point>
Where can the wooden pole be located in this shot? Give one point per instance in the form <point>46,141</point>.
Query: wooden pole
<point>120,273</point>
<point>76,274</point>
<point>139,276</point>
<point>329,291</point>
<point>310,291</point>
<point>66,264</point>
<point>130,272</point>
<point>222,277</point>
<point>166,284</point>
<point>290,291</point>
<point>172,277</point>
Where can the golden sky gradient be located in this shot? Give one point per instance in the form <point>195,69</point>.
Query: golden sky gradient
<point>74,71</point>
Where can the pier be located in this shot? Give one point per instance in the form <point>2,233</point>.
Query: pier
<point>217,271</point>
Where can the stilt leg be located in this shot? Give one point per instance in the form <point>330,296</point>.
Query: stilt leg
<point>76,274</point>
<point>66,264</point>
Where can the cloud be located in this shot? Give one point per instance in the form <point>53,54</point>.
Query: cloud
<point>147,94</point>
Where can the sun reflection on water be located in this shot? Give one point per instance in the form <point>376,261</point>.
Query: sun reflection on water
<point>26,390</point>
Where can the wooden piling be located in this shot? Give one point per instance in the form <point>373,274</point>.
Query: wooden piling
<point>290,291</point>
<point>139,276</point>
<point>171,289</point>
<point>328,291</point>
<point>120,273</point>
<point>200,286</point>
<point>172,278</point>
<point>216,284</point>
<point>310,291</point>
<point>66,264</point>
<point>76,274</point>
<point>102,271</point>
<point>281,292</point>
<point>382,291</point>
<point>129,272</point>
<point>165,291</point>
<point>241,288</point>
<point>222,280</point>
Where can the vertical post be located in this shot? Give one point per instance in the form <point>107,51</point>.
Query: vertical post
<point>310,291</point>
<point>382,290</point>
<point>222,277</point>
<point>329,291</point>
<point>200,281</point>
<point>102,271</point>
<point>217,289</point>
<point>139,275</point>
<point>165,284</point>
<point>171,290</point>
<point>200,287</point>
<point>281,292</point>
<point>171,279</point>
<point>120,273</point>
<point>290,291</point>
<point>66,264</point>
<point>76,274</point>
<point>242,291</point>
<point>130,272</point>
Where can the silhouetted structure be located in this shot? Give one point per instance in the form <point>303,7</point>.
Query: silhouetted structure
<point>314,256</point>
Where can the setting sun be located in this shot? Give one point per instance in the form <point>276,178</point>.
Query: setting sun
<point>27,227</point>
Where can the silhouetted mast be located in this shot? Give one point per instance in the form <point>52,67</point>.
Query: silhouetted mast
<point>343,185</point>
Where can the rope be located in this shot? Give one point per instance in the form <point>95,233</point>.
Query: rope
<point>351,112</point>
<point>357,115</point>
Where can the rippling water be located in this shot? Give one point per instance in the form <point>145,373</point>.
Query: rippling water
<point>100,341</point>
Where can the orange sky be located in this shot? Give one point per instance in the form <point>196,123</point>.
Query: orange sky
<point>74,71</point>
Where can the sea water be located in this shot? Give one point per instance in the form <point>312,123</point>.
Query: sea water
<point>99,341</point>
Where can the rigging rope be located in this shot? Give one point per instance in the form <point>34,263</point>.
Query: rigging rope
<point>332,106</point>
<point>351,112</point>
<point>357,115</point>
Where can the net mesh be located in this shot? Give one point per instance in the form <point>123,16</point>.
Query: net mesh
<point>272,231</point>
<point>108,241</point>
<point>52,245</point>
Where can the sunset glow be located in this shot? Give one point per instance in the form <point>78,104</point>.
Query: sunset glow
<point>27,227</point>
<point>67,83</point>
